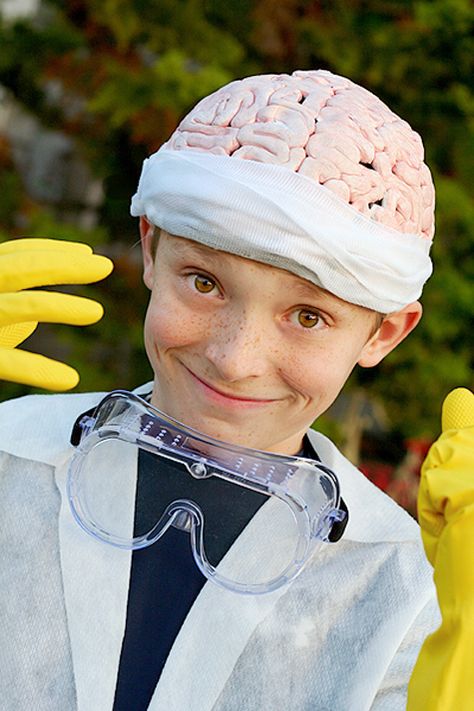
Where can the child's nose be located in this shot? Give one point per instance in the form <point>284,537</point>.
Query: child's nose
<point>238,350</point>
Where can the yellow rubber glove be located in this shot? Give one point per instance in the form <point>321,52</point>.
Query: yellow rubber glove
<point>443,678</point>
<point>33,262</point>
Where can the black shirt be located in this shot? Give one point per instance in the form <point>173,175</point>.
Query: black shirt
<point>164,579</point>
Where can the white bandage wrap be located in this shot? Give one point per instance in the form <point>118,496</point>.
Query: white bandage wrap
<point>276,216</point>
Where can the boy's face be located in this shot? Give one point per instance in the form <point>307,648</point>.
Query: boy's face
<point>245,352</point>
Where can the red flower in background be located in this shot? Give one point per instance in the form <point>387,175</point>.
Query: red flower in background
<point>418,446</point>
<point>400,481</point>
<point>380,473</point>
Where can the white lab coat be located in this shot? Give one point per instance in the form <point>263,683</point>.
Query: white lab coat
<point>343,636</point>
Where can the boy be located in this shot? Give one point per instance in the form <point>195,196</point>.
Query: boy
<point>285,231</point>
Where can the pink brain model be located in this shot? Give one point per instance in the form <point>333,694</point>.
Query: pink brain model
<point>327,128</point>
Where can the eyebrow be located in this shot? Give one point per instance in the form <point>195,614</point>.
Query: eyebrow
<point>307,289</point>
<point>185,246</point>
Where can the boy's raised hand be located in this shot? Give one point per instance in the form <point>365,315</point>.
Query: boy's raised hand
<point>443,676</point>
<point>29,263</point>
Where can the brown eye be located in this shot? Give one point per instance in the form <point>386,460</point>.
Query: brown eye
<point>308,319</point>
<point>203,284</point>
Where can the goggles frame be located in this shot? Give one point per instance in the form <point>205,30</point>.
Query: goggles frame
<point>125,416</point>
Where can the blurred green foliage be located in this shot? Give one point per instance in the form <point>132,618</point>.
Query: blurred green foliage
<point>127,70</point>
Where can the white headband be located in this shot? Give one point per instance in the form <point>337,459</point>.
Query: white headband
<point>273,215</point>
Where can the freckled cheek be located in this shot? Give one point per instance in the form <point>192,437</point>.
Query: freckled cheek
<point>297,370</point>
<point>171,326</point>
<point>317,374</point>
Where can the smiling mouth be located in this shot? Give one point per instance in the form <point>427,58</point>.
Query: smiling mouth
<point>228,396</point>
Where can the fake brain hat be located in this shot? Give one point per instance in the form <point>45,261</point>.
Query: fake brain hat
<point>308,172</point>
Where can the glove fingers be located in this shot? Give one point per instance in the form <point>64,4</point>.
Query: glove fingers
<point>15,333</point>
<point>27,269</point>
<point>33,244</point>
<point>36,370</point>
<point>48,306</point>
<point>432,525</point>
<point>458,410</point>
<point>447,474</point>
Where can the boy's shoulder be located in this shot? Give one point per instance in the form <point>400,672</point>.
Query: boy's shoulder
<point>373,516</point>
<point>38,427</point>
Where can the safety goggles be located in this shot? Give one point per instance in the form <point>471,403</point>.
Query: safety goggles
<point>187,477</point>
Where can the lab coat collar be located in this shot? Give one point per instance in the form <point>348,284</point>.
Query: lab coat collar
<point>373,516</point>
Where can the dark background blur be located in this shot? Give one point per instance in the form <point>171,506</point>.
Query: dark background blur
<point>88,88</point>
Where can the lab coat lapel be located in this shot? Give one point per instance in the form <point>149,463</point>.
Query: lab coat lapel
<point>96,581</point>
<point>215,632</point>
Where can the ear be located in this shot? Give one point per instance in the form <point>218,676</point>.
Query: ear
<point>147,232</point>
<point>394,328</point>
